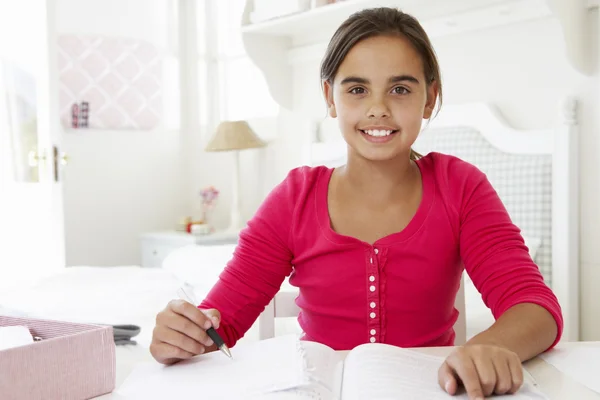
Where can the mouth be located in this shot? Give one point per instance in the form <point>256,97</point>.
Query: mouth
<point>378,135</point>
<point>378,132</point>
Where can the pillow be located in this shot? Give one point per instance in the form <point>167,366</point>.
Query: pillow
<point>198,265</point>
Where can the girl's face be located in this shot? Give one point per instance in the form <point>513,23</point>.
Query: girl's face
<point>380,97</point>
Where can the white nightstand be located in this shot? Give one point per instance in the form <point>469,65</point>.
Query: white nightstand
<point>156,246</point>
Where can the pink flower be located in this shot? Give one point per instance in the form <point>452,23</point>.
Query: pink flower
<point>209,196</point>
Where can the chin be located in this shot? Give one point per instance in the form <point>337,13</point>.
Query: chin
<point>379,155</point>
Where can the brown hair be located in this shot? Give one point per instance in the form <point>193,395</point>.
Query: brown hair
<point>376,22</point>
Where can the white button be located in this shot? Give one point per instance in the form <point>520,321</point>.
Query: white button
<point>372,315</point>
<point>371,260</point>
<point>372,304</point>
<point>372,288</point>
<point>372,339</point>
<point>373,331</point>
<point>376,251</point>
<point>372,278</point>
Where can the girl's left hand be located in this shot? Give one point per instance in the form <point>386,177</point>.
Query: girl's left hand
<point>483,370</point>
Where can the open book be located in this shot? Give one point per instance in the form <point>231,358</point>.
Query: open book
<point>376,372</point>
<point>284,368</point>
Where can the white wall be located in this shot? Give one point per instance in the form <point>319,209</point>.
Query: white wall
<point>523,70</point>
<point>119,183</point>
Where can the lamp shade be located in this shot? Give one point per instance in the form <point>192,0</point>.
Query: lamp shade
<point>234,135</point>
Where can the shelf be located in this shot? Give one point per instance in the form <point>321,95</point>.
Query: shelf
<point>276,46</point>
<point>297,23</point>
<point>438,16</point>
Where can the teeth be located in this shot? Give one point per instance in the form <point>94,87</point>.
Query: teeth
<point>378,133</point>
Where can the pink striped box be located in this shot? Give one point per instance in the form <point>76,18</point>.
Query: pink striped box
<point>72,361</point>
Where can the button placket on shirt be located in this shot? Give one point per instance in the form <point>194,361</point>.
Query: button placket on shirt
<point>373,296</point>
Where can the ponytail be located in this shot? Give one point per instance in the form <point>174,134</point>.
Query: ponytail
<point>414,156</point>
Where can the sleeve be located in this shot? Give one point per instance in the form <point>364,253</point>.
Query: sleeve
<point>260,263</point>
<point>495,255</point>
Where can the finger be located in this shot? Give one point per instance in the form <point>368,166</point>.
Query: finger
<point>466,371</point>
<point>179,340</point>
<point>503,376</point>
<point>169,354</point>
<point>516,371</point>
<point>447,379</point>
<point>190,311</point>
<point>183,325</point>
<point>486,373</point>
<point>214,316</point>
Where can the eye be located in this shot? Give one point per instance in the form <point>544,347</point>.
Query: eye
<point>400,90</point>
<point>357,90</point>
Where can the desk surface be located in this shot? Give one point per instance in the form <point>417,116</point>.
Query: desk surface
<point>555,384</point>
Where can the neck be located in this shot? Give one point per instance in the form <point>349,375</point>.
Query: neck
<point>378,181</point>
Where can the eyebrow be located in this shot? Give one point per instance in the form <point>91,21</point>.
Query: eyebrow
<point>393,79</point>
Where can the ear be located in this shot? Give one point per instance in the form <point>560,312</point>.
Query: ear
<point>328,94</point>
<point>432,96</point>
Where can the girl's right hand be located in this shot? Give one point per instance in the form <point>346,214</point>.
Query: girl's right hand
<point>180,332</point>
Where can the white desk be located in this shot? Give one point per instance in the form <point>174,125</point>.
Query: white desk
<point>555,384</point>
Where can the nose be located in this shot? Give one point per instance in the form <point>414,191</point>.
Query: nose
<point>378,108</point>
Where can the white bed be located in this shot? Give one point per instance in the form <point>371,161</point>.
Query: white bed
<point>534,172</point>
<point>127,294</point>
<point>118,295</point>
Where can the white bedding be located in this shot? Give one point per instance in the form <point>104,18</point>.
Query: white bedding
<point>124,295</point>
<point>104,295</point>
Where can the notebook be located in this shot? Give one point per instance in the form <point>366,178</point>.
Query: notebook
<point>285,368</point>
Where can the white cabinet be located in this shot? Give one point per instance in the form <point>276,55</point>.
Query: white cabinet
<point>155,246</point>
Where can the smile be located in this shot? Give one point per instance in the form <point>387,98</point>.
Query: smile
<point>378,132</point>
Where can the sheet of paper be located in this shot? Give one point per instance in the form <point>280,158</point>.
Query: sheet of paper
<point>308,392</point>
<point>14,336</point>
<point>256,368</point>
<point>579,363</point>
<point>385,372</point>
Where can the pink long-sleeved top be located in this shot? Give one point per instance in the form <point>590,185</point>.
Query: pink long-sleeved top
<point>399,290</point>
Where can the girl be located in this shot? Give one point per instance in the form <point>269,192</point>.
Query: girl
<point>377,247</point>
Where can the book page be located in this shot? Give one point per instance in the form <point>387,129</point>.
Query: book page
<point>323,369</point>
<point>324,366</point>
<point>378,371</point>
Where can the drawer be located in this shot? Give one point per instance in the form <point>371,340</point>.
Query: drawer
<point>153,255</point>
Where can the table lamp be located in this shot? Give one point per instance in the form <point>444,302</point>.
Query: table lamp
<point>234,136</point>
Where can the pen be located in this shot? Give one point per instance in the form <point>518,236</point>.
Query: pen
<point>211,332</point>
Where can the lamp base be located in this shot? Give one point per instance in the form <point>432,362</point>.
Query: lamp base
<point>235,224</point>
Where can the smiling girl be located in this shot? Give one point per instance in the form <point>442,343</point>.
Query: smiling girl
<point>377,247</point>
